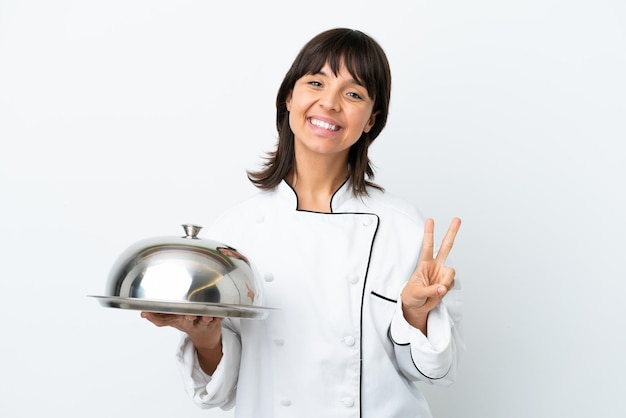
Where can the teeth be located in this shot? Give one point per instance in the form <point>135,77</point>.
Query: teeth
<point>324,125</point>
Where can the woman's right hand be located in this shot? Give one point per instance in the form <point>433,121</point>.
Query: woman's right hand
<point>205,333</point>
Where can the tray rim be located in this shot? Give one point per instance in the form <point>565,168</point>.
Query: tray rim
<point>182,307</point>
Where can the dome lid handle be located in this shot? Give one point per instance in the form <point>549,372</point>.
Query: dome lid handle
<point>191,231</point>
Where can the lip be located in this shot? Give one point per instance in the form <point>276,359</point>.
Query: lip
<point>327,120</point>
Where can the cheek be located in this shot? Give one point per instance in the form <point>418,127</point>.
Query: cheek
<point>297,112</point>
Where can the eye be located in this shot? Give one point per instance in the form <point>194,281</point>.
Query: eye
<point>314,83</point>
<point>355,95</point>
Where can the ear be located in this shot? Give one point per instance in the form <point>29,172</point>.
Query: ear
<point>370,122</point>
<point>288,102</point>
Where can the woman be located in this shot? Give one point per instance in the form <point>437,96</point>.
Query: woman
<point>364,308</point>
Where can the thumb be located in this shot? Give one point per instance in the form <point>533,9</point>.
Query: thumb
<point>419,294</point>
<point>436,290</point>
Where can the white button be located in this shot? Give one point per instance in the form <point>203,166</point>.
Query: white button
<point>349,340</point>
<point>268,277</point>
<point>348,402</point>
<point>353,278</point>
<point>260,219</point>
<point>279,341</point>
<point>367,221</point>
<point>285,402</point>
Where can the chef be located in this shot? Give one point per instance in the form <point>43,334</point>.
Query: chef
<point>365,308</point>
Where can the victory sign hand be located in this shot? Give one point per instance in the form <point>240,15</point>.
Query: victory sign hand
<point>432,279</point>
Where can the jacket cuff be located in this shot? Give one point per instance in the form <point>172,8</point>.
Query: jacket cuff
<point>431,355</point>
<point>210,390</point>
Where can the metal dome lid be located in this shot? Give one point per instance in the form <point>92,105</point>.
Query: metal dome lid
<point>184,275</point>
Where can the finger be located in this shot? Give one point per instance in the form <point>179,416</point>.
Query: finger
<point>447,277</point>
<point>157,319</point>
<point>203,319</point>
<point>448,240</point>
<point>210,318</point>
<point>152,316</point>
<point>428,242</point>
<point>435,290</point>
<point>422,293</point>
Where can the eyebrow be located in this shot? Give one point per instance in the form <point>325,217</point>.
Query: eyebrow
<point>351,80</point>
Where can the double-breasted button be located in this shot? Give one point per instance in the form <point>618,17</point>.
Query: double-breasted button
<point>279,342</point>
<point>268,277</point>
<point>285,402</point>
<point>347,402</point>
<point>368,221</point>
<point>349,340</point>
<point>353,278</point>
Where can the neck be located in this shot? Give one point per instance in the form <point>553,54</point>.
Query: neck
<point>315,183</point>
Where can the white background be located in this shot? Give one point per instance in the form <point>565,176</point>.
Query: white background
<point>120,120</point>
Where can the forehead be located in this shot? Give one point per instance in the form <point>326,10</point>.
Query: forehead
<point>338,68</point>
<point>342,72</point>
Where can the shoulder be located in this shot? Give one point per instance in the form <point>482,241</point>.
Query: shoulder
<point>250,202</point>
<point>236,219</point>
<point>389,205</point>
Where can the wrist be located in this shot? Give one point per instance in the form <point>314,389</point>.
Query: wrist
<point>208,348</point>
<point>417,317</point>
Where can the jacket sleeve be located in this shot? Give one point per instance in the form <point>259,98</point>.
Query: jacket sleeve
<point>432,359</point>
<point>219,389</point>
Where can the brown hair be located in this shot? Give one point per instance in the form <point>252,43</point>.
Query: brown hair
<point>366,61</point>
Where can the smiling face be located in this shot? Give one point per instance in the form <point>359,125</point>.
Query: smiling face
<point>328,112</point>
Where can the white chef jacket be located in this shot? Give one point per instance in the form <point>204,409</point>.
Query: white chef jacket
<point>337,344</point>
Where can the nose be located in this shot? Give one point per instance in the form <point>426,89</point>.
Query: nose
<point>330,100</point>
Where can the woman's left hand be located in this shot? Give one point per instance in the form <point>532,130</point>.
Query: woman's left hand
<point>431,279</point>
